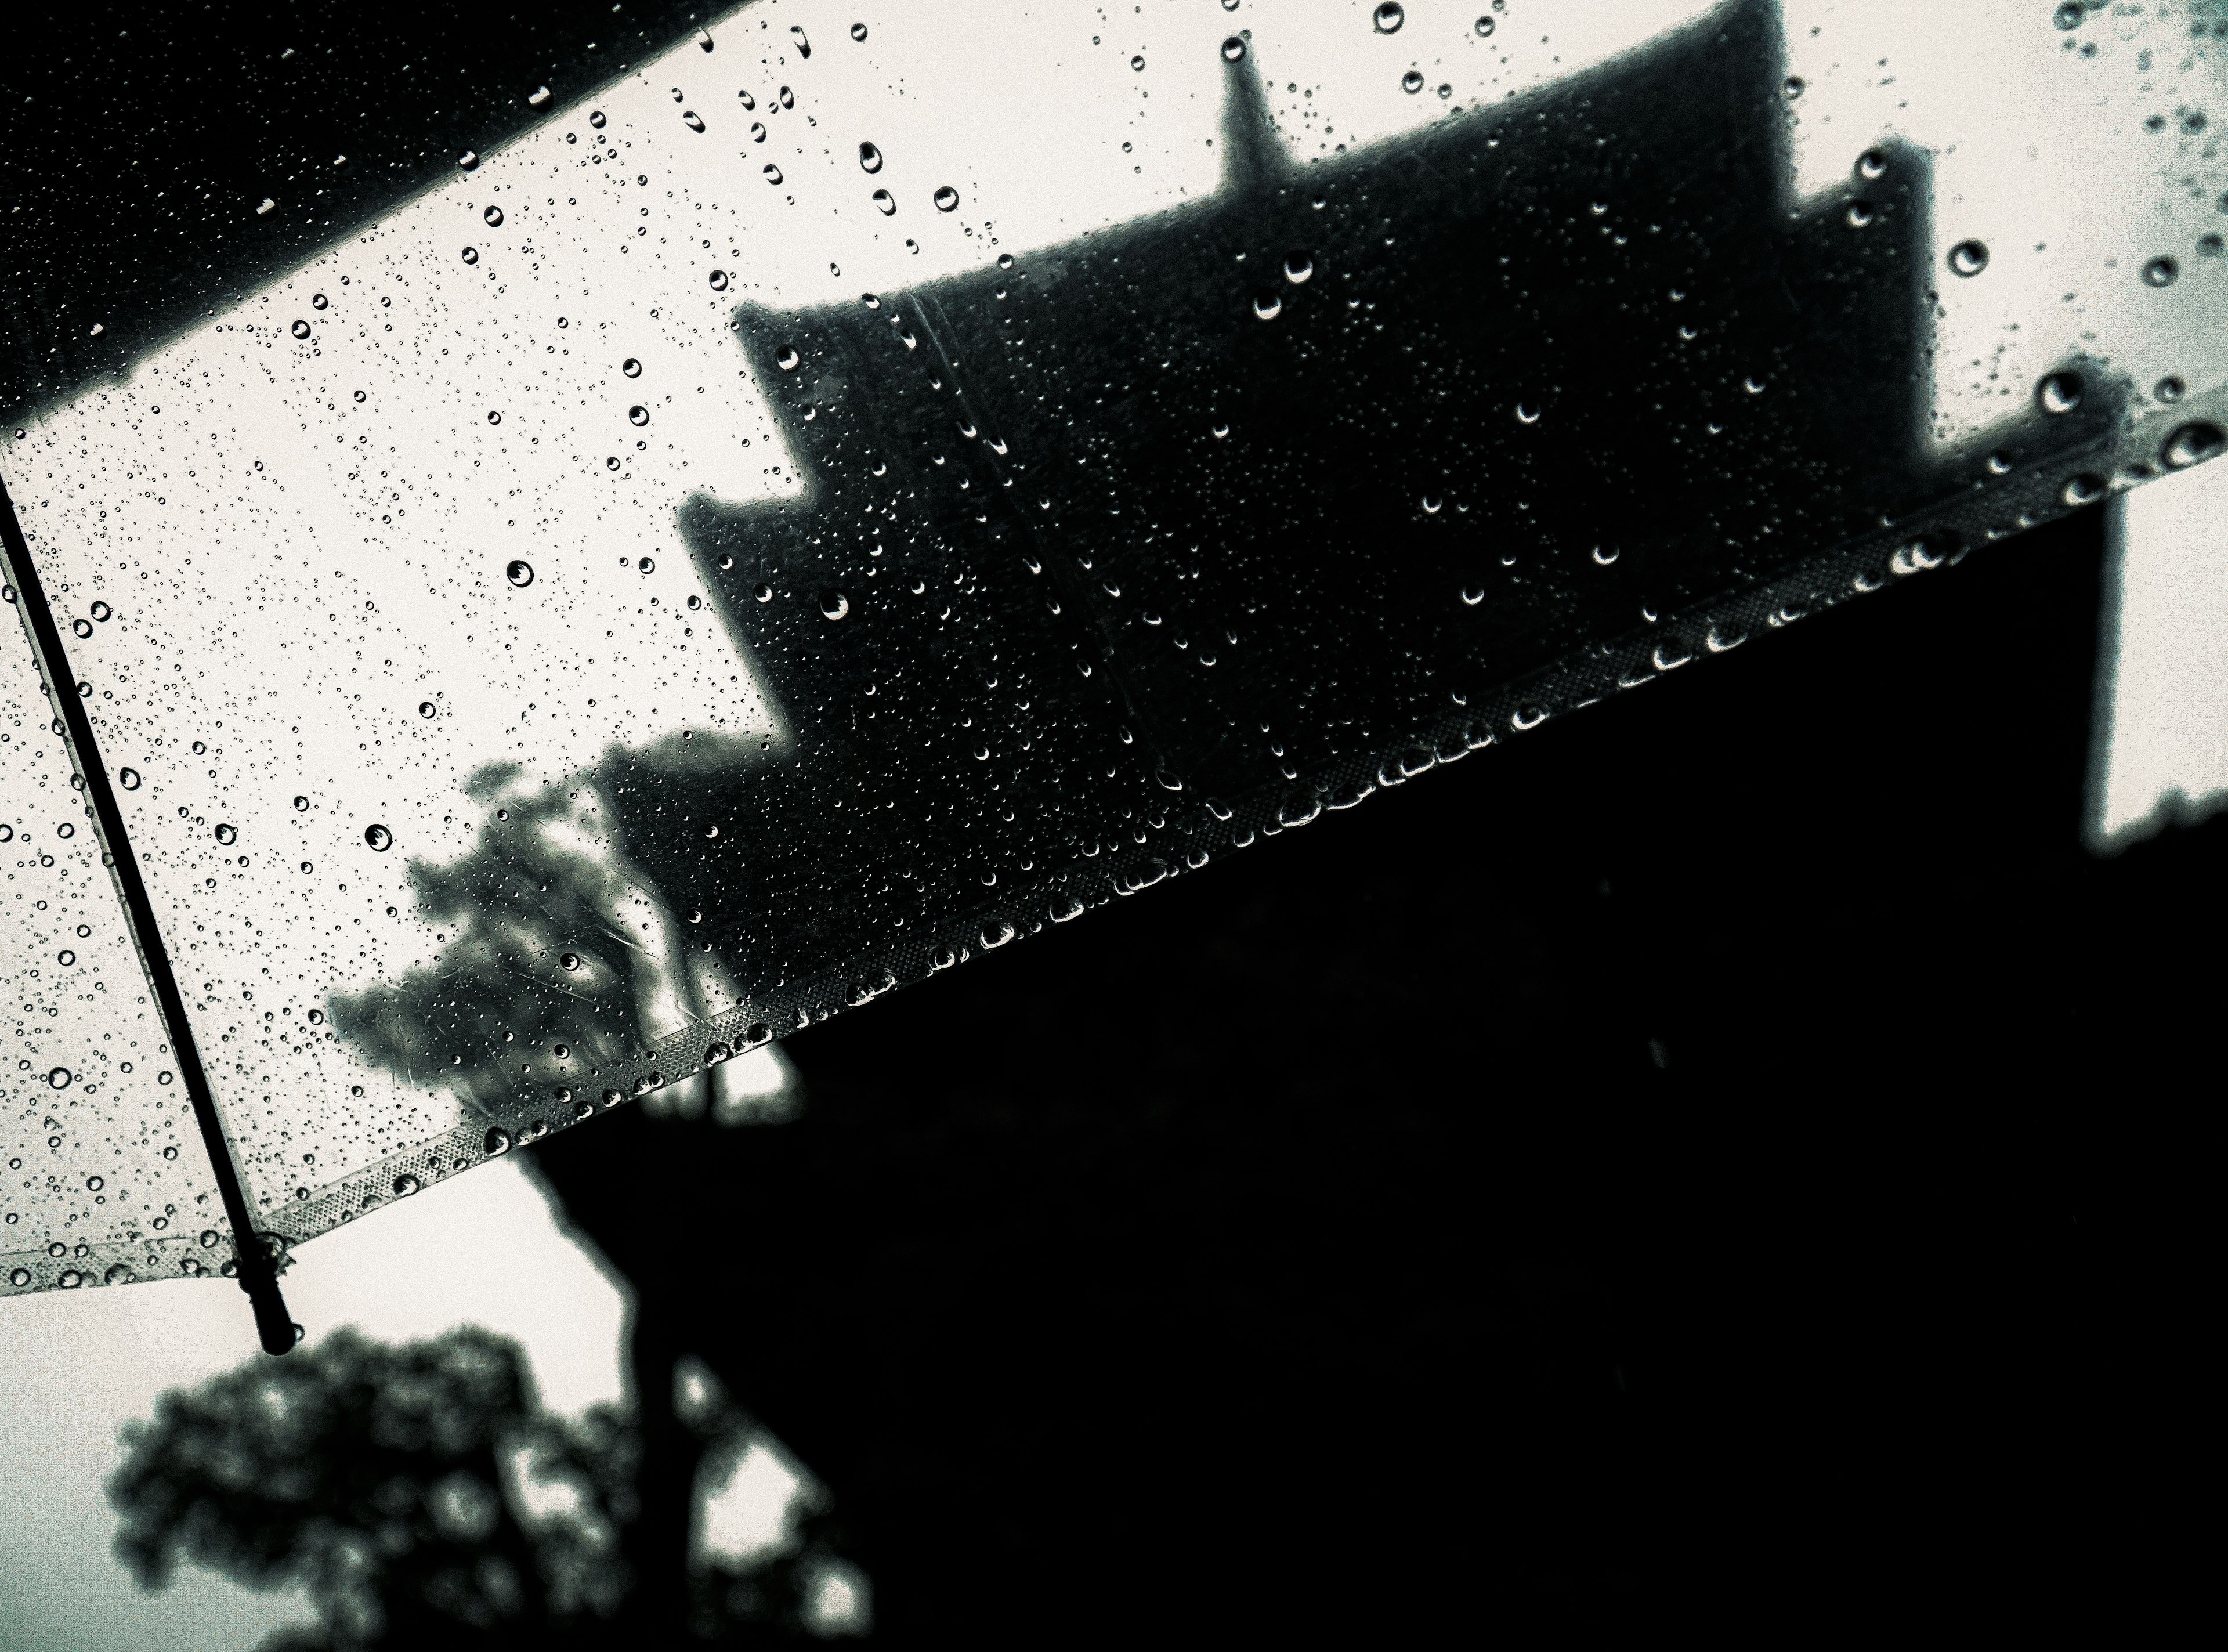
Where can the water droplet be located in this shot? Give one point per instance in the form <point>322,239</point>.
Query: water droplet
<point>2170,390</point>
<point>2161,272</point>
<point>719,281</point>
<point>691,119</point>
<point>1268,306</point>
<point>1485,25</point>
<point>95,1184</point>
<point>19,1278</point>
<point>301,803</point>
<point>471,255</point>
<point>788,99</point>
<point>519,573</point>
<point>425,709</point>
<point>596,118</point>
<point>1793,86</point>
<point>870,158</point>
<point>404,1185</point>
<point>773,172</point>
<point>1526,413</point>
<point>1388,17</point>
<point>1298,267</point>
<point>858,31</point>
<point>947,199</point>
<point>2193,445</point>
<point>645,564</point>
<point>498,1141</point>
<point>1473,594</point>
<point>2059,392</point>
<point>1527,717</point>
<point>788,359</point>
<point>803,46</point>
<point>637,414</point>
<point>1137,63</point>
<point>2070,14</point>
<point>70,1280</point>
<point>995,934</point>
<point>316,1018</point>
<point>378,836</point>
<point>317,301</point>
<point>169,1152</point>
<point>569,961</point>
<point>467,161</point>
<point>1412,80</point>
<point>60,1078</point>
<point>1859,215</point>
<point>1969,258</point>
<point>2083,489</point>
<point>884,202</point>
<point>227,833</point>
<point>301,329</point>
<point>66,958</point>
<point>834,605</point>
<point>494,418</point>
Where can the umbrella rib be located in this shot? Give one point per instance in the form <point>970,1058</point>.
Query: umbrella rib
<point>258,1277</point>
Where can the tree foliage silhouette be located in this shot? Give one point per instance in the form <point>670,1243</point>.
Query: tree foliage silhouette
<point>389,1482</point>
<point>420,1497</point>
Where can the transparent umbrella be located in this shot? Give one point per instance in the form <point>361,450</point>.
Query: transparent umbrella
<point>756,537</point>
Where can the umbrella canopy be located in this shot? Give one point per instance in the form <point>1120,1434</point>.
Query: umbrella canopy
<point>116,1153</point>
<point>744,544</point>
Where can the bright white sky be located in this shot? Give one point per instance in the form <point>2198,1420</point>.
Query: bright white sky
<point>2161,752</point>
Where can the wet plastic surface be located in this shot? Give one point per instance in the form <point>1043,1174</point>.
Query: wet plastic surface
<point>565,646</point>
<point>105,1177</point>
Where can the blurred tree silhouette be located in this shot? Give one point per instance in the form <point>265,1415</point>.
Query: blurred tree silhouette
<point>422,1497</point>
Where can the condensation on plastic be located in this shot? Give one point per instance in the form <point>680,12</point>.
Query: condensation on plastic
<point>105,1179</point>
<point>759,540</point>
